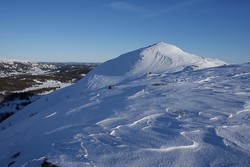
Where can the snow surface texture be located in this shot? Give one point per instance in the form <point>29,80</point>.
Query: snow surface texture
<point>164,108</point>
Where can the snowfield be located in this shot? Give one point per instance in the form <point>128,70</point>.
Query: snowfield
<point>156,106</point>
<point>46,84</point>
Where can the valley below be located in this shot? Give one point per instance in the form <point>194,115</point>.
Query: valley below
<point>23,82</point>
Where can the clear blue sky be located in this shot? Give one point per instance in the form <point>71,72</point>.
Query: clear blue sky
<point>98,30</point>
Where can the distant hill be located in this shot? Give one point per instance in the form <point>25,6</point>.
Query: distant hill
<point>17,67</point>
<point>22,82</point>
<point>20,75</point>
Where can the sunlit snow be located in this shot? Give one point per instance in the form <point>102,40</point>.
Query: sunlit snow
<point>156,106</point>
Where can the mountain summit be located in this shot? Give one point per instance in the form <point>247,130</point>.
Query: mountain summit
<point>156,58</point>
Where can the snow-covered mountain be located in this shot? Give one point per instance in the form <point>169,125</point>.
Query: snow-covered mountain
<point>157,58</point>
<point>10,67</point>
<point>156,106</point>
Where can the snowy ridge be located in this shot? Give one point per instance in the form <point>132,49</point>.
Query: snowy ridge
<point>10,67</point>
<point>157,58</point>
<point>5,60</point>
<point>171,117</point>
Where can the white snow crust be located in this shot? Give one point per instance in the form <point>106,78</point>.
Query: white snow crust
<point>165,108</point>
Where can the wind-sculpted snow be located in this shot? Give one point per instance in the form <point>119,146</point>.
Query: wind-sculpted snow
<point>182,118</point>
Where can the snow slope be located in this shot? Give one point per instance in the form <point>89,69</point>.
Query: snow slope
<point>161,112</point>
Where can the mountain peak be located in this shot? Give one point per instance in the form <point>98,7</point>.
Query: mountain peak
<point>164,45</point>
<point>165,48</point>
<point>156,58</point>
<point>161,43</point>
